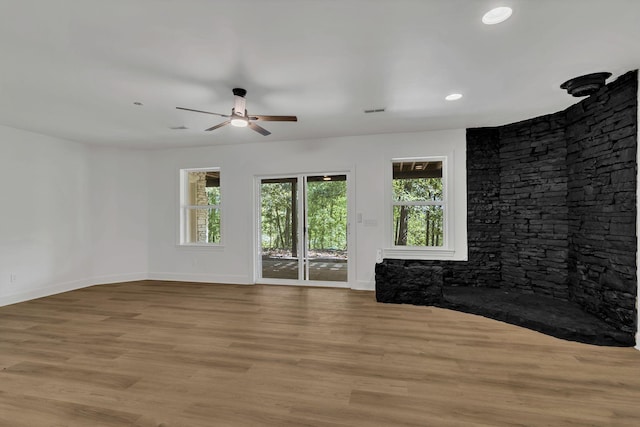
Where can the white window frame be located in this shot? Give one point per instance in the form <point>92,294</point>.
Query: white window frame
<point>447,250</point>
<point>185,207</point>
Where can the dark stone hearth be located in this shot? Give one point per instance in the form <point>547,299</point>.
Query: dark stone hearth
<point>411,282</point>
<point>408,284</point>
<point>551,316</point>
<point>551,216</point>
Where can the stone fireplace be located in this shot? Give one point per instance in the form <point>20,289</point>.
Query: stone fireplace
<point>551,225</point>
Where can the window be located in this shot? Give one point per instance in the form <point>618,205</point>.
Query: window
<point>200,212</point>
<point>419,203</point>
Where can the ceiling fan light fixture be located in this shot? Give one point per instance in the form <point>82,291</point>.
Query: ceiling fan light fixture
<point>240,118</point>
<point>497,15</point>
<point>239,122</point>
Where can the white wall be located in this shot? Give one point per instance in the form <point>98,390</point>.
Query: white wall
<point>70,216</point>
<point>74,215</point>
<point>119,203</point>
<point>367,157</point>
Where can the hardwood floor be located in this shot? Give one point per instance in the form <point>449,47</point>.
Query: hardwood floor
<point>185,354</point>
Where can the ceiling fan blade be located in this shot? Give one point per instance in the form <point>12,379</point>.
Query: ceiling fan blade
<point>259,129</point>
<point>200,111</point>
<point>219,126</point>
<point>275,118</point>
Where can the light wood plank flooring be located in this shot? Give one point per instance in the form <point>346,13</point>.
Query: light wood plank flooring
<point>185,354</point>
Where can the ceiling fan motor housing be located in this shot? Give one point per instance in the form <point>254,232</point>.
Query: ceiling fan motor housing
<point>239,92</point>
<point>240,104</point>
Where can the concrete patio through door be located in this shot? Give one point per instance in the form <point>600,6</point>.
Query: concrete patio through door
<point>320,269</point>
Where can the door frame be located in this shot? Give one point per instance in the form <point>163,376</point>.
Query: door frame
<point>257,234</point>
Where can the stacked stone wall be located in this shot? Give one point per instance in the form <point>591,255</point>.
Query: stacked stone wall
<point>534,216</point>
<point>601,142</point>
<point>552,207</point>
<point>483,213</point>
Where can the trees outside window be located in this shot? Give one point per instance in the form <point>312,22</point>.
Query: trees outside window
<point>326,208</point>
<point>278,204</point>
<point>201,200</point>
<point>327,215</point>
<point>418,203</point>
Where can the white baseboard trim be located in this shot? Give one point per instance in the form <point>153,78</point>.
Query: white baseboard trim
<point>118,278</point>
<point>364,285</point>
<point>201,278</point>
<point>44,292</point>
<point>360,285</point>
<point>69,286</point>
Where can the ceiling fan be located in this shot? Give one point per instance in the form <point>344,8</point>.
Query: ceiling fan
<point>239,116</point>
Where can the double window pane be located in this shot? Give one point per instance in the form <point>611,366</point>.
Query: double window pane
<point>418,203</point>
<point>279,228</point>
<point>327,227</point>
<point>202,210</point>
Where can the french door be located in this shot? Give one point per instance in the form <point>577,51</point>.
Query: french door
<point>303,229</point>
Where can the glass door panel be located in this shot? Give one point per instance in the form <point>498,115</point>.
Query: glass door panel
<point>303,228</point>
<point>279,234</point>
<point>326,228</point>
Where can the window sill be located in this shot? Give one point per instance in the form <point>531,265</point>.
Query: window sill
<point>419,253</point>
<point>200,247</point>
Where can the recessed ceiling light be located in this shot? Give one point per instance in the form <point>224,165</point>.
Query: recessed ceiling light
<point>497,15</point>
<point>453,97</point>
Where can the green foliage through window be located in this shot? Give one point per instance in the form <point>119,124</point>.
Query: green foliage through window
<point>418,204</point>
<point>326,216</point>
<point>201,204</point>
<point>213,217</point>
<point>278,200</point>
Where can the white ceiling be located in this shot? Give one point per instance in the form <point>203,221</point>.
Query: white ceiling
<point>74,68</point>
